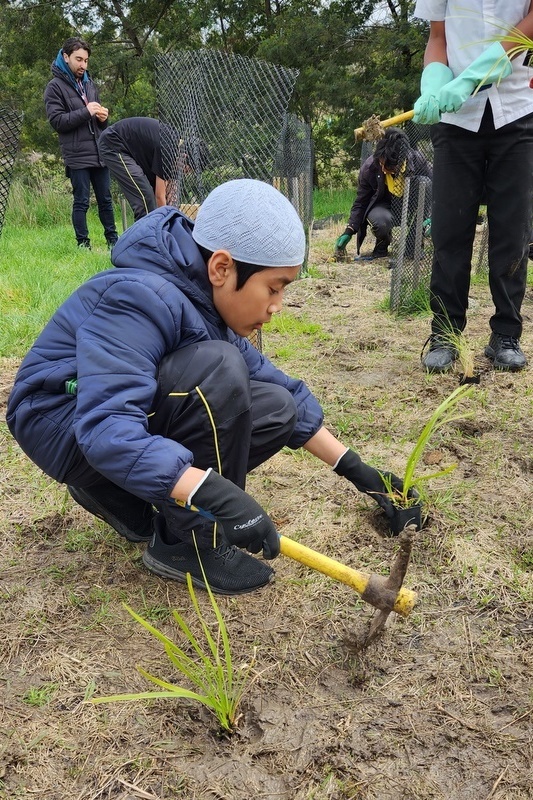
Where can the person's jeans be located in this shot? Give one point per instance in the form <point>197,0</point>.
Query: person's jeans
<point>81,180</point>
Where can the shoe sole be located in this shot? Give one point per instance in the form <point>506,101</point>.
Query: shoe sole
<point>490,354</point>
<point>97,511</point>
<point>174,574</point>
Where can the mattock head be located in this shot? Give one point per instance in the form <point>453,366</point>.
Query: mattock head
<point>394,581</point>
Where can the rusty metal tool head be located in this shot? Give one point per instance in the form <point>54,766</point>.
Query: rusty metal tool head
<point>394,582</point>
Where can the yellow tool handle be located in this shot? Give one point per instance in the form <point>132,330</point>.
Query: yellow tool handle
<point>385,123</point>
<point>372,588</point>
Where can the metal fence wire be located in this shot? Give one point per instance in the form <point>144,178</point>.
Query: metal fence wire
<point>10,128</point>
<point>224,116</point>
<point>227,118</point>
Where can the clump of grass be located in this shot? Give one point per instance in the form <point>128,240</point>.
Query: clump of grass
<point>443,415</point>
<point>219,685</point>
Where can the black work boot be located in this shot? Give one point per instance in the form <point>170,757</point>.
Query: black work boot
<point>505,353</point>
<point>128,515</point>
<point>228,570</point>
<point>441,355</point>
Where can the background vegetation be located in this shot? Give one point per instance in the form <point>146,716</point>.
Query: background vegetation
<point>354,58</point>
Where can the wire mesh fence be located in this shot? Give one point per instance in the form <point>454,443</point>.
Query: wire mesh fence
<point>10,128</point>
<point>226,118</point>
<point>230,114</point>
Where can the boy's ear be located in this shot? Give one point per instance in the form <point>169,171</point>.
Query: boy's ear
<point>219,267</point>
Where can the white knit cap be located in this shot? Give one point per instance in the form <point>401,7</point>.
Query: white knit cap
<point>254,222</point>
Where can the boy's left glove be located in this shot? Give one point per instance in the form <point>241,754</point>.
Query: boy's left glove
<point>368,480</point>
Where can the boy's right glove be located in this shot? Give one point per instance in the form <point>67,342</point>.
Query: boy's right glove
<point>434,76</point>
<point>244,522</point>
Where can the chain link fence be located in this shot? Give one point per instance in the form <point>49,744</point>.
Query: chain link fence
<point>230,116</point>
<point>226,117</point>
<point>10,128</point>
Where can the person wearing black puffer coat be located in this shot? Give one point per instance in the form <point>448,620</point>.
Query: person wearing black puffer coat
<point>380,190</point>
<point>74,110</point>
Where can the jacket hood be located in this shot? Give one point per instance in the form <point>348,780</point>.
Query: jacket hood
<point>161,243</point>
<point>62,70</point>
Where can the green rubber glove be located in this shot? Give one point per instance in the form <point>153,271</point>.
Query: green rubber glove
<point>434,76</point>
<point>343,240</point>
<point>490,67</point>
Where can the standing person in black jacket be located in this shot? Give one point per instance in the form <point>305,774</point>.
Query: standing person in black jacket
<point>73,110</point>
<point>380,191</point>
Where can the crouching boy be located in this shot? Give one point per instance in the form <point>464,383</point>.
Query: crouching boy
<point>144,395</point>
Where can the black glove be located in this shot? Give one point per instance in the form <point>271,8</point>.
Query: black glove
<point>368,480</point>
<point>244,522</point>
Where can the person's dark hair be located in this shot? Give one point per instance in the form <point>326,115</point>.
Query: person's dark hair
<point>244,271</point>
<point>392,149</point>
<point>73,44</point>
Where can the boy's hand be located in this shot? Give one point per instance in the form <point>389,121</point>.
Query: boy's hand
<point>368,480</point>
<point>244,522</point>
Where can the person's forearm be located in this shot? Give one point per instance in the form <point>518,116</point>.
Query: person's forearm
<point>160,192</point>
<point>325,446</point>
<point>436,46</point>
<point>525,27</point>
<point>188,481</point>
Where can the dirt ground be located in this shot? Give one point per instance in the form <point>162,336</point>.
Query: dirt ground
<point>439,707</point>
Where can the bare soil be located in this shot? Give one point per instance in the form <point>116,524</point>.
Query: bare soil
<point>439,707</point>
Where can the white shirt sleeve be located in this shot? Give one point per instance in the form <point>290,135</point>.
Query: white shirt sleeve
<point>432,10</point>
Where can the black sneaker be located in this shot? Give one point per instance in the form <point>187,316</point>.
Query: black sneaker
<point>111,243</point>
<point>441,356</point>
<point>128,515</point>
<point>505,353</point>
<point>228,570</point>
<point>85,244</point>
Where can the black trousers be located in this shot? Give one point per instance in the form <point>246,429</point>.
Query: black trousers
<point>207,402</point>
<point>134,184</point>
<point>496,166</point>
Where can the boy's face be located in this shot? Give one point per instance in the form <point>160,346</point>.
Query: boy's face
<point>252,306</point>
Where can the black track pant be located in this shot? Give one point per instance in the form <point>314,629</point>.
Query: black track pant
<point>207,402</point>
<point>134,184</point>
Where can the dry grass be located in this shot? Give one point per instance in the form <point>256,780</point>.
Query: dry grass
<point>440,707</point>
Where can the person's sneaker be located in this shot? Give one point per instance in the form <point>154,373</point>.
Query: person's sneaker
<point>85,244</point>
<point>505,353</point>
<point>130,516</point>
<point>440,357</point>
<point>228,570</point>
<point>111,243</point>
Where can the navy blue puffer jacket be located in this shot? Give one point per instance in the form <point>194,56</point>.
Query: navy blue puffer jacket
<point>111,334</point>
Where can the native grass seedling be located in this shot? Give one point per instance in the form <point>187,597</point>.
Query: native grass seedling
<point>445,413</point>
<point>219,685</point>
